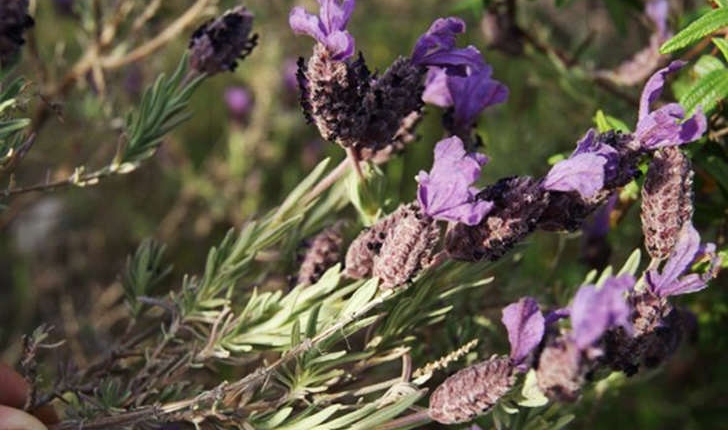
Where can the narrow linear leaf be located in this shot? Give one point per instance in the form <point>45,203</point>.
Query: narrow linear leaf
<point>707,92</point>
<point>722,44</point>
<point>701,27</point>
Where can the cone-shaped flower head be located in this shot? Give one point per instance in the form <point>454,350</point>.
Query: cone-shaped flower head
<point>595,310</point>
<point>587,168</point>
<point>446,193</point>
<point>14,19</point>
<point>328,28</point>
<point>671,281</point>
<point>217,45</point>
<point>526,325</point>
<point>665,126</point>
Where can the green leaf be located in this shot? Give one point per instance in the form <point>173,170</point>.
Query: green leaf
<point>701,27</point>
<point>533,397</point>
<point>390,412</point>
<point>707,64</point>
<point>722,44</point>
<point>706,92</point>
<point>361,297</point>
<point>313,420</point>
<point>606,123</point>
<point>632,263</point>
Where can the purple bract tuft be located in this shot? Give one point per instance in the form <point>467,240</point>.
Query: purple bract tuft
<point>446,193</point>
<point>670,281</point>
<point>594,310</point>
<point>437,47</point>
<point>525,324</point>
<point>329,28</point>
<point>665,126</point>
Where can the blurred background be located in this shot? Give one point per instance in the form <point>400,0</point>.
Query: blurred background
<point>248,144</point>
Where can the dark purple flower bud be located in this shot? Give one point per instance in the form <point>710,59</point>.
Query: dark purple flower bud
<point>518,205</point>
<point>446,193</point>
<point>667,200</point>
<point>526,325</point>
<point>472,391</point>
<point>14,20</point>
<point>217,45</point>
<point>239,102</point>
<point>329,28</point>
<point>672,280</point>
<point>595,310</point>
<point>322,253</point>
<point>665,126</point>
<point>561,370</point>
<point>407,248</point>
<point>595,249</point>
<point>437,47</point>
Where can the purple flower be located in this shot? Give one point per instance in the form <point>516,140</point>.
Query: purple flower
<point>437,47</point>
<point>239,101</point>
<point>587,168</point>
<point>469,94</point>
<point>657,11</point>
<point>670,282</point>
<point>445,193</point>
<point>665,126</point>
<point>595,310</point>
<point>526,325</point>
<point>329,28</point>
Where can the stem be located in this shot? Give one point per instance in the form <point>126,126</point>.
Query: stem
<point>418,418</point>
<point>226,391</point>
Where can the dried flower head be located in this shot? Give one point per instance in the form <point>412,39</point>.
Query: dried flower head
<point>323,252</point>
<point>217,45</point>
<point>367,246</point>
<point>471,391</point>
<point>14,19</point>
<point>518,204</point>
<point>561,370</point>
<point>407,249</point>
<point>667,200</point>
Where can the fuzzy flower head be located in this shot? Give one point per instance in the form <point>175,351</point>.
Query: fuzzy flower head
<point>595,310</point>
<point>445,193</point>
<point>587,168</point>
<point>437,47</point>
<point>526,325</point>
<point>328,28</point>
<point>217,45</point>
<point>667,125</point>
<point>672,280</point>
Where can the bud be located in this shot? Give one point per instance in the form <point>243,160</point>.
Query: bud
<point>362,251</point>
<point>667,200</point>
<point>407,249</point>
<point>561,370</point>
<point>518,204</point>
<point>14,19</point>
<point>323,252</point>
<point>217,45</point>
<point>471,391</point>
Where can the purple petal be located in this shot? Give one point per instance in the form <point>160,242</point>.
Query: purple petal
<point>445,193</point>
<point>472,94</point>
<point>594,311</point>
<point>663,127</point>
<point>305,23</point>
<point>555,315</point>
<point>653,87</point>
<point>436,91</point>
<point>340,44</point>
<point>583,173</point>
<point>440,36</point>
<point>587,144</point>
<point>335,16</point>
<point>657,11</point>
<point>525,324</point>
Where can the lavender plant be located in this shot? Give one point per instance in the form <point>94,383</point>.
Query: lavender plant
<point>355,336</point>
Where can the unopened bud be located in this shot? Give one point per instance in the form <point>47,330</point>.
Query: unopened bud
<point>323,252</point>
